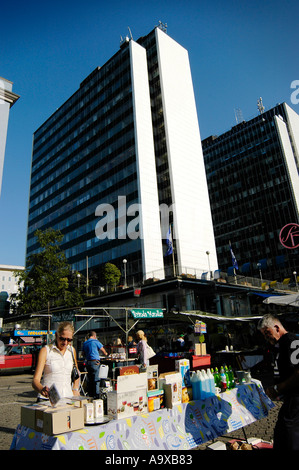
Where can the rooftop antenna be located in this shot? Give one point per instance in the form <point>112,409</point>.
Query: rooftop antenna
<point>260,105</point>
<point>130,33</point>
<point>163,26</point>
<point>238,115</point>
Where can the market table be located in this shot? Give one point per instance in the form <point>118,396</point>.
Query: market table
<point>183,427</point>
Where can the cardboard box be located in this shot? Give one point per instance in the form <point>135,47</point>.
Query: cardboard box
<point>200,349</point>
<point>32,416</point>
<point>79,401</point>
<point>171,382</point>
<point>88,413</point>
<point>125,404</point>
<point>183,366</point>
<point>98,409</point>
<point>186,394</point>
<point>51,420</point>
<point>152,377</point>
<point>172,394</point>
<point>128,383</point>
<point>155,400</point>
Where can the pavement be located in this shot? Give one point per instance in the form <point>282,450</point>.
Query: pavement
<point>16,391</point>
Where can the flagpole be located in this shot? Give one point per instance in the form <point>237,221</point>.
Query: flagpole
<point>173,263</point>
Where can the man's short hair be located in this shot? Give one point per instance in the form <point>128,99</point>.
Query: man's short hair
<point>268,321</point>
<point>91,333</point>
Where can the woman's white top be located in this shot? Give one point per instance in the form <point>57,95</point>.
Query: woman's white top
<point>141,349</point>
<point>58,370</point>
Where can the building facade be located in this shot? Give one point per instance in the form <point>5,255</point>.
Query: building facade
<point>7,99</point>
<point>120,163</point>
<point>253,182</point>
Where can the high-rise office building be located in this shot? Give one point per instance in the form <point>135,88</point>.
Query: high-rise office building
<point>122,154</point>
<point>7,99</point>
<point>252,173</point>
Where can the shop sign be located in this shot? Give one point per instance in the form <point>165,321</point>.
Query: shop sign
<point>63,316</point>
<point>289,236</point>
<point>32,332</point>
<point>147,313</point>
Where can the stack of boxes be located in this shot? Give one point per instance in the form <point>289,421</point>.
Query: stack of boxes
<point>134,393</point>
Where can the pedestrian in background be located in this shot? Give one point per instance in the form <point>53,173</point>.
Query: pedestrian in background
<point>55,365</point>
<point>142,348</point>
<point>286,369</point>
<point>91,350</point>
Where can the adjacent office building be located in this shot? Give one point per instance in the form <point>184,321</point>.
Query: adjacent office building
<point>7,100</point>
<point>253,182</point>
<point>120,163</point>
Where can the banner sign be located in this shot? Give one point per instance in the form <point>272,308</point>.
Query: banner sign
<point>32,332</point>
<point>147,313</point>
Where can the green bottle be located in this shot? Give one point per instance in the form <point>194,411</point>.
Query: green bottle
<point>217,378</point>
<point>228,380</point>
<point>231,376</point>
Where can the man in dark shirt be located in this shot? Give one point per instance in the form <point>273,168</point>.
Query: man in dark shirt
<point>286,433</point>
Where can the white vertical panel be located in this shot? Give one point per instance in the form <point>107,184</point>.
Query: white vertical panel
<point>192,216</point>
<point>289,158</point>
<point>147,182</point>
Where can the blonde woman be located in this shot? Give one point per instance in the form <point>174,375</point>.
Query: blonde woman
<point>55,364</point>
<point>141,348</point>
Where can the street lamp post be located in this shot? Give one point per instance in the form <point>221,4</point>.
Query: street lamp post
<point>295,274</point>
<point>208,255</point>
<point>260,270</point>
<point>125,270</point>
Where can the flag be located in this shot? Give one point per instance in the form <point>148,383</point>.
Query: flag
<point>234,260</point>
<point>169,243</point>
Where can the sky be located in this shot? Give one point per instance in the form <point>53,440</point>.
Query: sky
<point>239,51</point>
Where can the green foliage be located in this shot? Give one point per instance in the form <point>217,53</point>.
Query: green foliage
<point>45,281</point>
<point>112,274</point>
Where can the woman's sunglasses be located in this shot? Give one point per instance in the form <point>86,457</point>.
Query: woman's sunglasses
<point>69,340</point>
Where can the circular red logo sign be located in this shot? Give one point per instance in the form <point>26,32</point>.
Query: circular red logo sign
<point>289,236</point>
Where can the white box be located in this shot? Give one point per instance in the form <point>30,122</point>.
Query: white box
<point>183,366</point>
<point>125,404</point>
<point>88,413</point>
<point>98,409</point>
<point>152,377</point>
<point>171,382</point>
<point>128,383</point>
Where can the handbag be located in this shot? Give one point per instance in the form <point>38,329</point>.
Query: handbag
<point>75,373</point>
<point>149,351</point>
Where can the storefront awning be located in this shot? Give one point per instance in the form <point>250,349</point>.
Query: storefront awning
<point>289,299</point>
<point>200,314</point>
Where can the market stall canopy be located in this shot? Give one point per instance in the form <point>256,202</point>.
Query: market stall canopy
<point>289,299</point>
<point>200,314</point>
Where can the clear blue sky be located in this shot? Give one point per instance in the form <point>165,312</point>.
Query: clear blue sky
<point>239,51</point>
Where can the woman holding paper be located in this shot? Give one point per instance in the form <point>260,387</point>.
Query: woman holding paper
<point>55,364</point>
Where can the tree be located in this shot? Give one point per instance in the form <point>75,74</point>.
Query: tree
<point>45,280</point>
<point>112,274</point>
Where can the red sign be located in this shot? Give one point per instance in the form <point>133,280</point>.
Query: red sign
<point>289,236</point>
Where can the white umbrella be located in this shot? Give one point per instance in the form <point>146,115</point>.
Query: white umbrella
<point>290,299</point>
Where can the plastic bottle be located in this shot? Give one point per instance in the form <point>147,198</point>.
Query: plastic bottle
<point>201,386</point>
<point>195,386</point>
<point>223,379</point>
<point>211,383</point>
<point>205,384</point>
<point>232,377</point>
<point>217,378</point>
<point>228,382</point>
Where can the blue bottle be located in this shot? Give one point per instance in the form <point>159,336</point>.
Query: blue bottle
<point>195,386</point>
